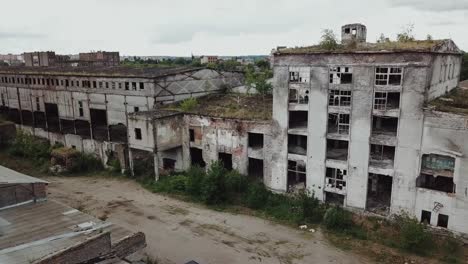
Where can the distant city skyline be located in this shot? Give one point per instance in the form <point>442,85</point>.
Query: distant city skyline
<point>214,27</point>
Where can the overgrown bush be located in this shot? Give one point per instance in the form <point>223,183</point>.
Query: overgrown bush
<point>311,209</point>
<point>257,196</point>
<point>236,183</point>
<point>30,147</point>
<point>414,236</point>
<point>189,104</point>
<point>85,163</point>
<point>337,219</point>
<point>213,189</point>
<point>195,177</point>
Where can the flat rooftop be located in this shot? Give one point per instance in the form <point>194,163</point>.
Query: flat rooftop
<point>233,106</point>
<point>33,231</point>
<point>426,46</point>
<point>8,176</point>
<point>456,101</point>
<point>99,71</point>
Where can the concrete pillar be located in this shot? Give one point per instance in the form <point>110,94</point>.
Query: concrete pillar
<point>156,166</point>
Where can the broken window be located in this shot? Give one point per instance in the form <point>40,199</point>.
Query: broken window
<point>52,114</point>
<point>337,149</point>
<point>388,75</point>
<point>384,125</point>
<point>379,193</point>
<point>113,85</point>
<point>255,169</point>
<point>80,109</point>
<point>100,84</point>
<point>94,84</point>
<point>437,173</point>
<point>336,179</point>
<point>296,175</point>
<point>297,144</point>
<point>442,220</point>
<point>298,96</point>
<point>347,30</point>
<point>426,217</point>
<point>66,82</point>
<point>255,140</point>
<point>107,85</point>
<point>196,156</point>
<point>142,86</point>
<point>192,135</point>
<point>436,183</point>
<point>341,75</point>
<point>120,85</point>
<point>134,86</point>
<point>136,109</point>
<point>127,86</point>
<point>38,103</point>
<point>382,156</point>
<point>298,119</point>
<point>226,160</point>
<point>338,123</point>
<point>386,100</point>
<point>339,98</point>
<point>138,133</point>
<point>299,74</point>
<point>334,198</point>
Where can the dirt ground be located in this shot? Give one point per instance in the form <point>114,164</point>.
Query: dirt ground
<point>177,232</point>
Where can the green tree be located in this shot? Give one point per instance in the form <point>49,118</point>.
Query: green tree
<point>329,40</point>
<point>407,35</point>
<point>263,64</point>
<point>258,81</point>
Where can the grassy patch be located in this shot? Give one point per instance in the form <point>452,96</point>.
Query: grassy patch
<point>456,101</point>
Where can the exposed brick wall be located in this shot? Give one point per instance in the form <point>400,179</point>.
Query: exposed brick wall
<point>129,245</point>
<point>11,194</point>
<point>93,248</point>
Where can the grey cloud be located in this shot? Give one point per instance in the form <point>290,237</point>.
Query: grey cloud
<point>432,5</point>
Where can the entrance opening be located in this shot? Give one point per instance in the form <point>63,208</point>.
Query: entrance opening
<point>82,128</point>
<point>27,118</point>
<point>53,120</point>
<point>442,220</point>
<point>68,126</point>
<point>196,156</point>
<point>169,164</point>
<point>226,159</point>
<point>99,124</point>
<point>426,217</point>
<point>255,169</point>
<point>379,193</point>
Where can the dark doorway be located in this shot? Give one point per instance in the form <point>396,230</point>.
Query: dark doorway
<point>334,198</point>
<point>99,124</point>
<point>118,133</point>
<point>82,128</point>
<point>28,119</point>
<point>52,115</point>
<point>255,169</point>
<point>226,159</point>
<point>39,120</point>
<point>68,126</point>
<point>426,217</point>
<point>196,156</point>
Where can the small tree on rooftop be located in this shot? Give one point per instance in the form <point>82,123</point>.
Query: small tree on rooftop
<point>407,35</point>
<point>329,40</point>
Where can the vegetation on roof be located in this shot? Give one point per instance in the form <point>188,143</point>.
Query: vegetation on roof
<point>456,101</point>
<point>239,106</point>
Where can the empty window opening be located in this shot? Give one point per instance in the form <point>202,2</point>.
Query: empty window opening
<point>347,30</point>
<point>138,133</point>
<point>335,179</point>
<point>99,124</point>
<point>256,140</point>
<point>384,126</point>
<point>118,133</point>
<point>83,128</point>
<point>68,126</point>
<point>38,103</point>
<point>386,100</point>
<point>134,86</point>
<point>436,183</point>
<point>341,75</point>
<point>338,123</point>
<point>80,109</point>
<point>192,135</point>
<point>226,160</point>
<point>3,100</point>
<point>136,109</point>
<point>426,217</point>
<point>339,98</point>
<point>94,84</point>
<point>142,86</point>
<point>52,114</point>
<point>388,76</point>
<point>299,74</point>
<point>354,31</point>
<point>382,156</point>
<point>334,198</point>
<point>14,116</point>
<point>196,156</point>
<point>296,175</point>
<point>169,164</point>
<point>255,169</point>
<point>442,220</point>
<point>113,85</point>
<point>337,149</point>
<point>39,120</point>
<point>379,193</point>
<point>127,86</point>
<point>27,117</point>
<point>297,144</point>
<point>298,96</point>
<point>298,119</point>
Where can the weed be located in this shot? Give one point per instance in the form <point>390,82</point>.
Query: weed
<point>189,104</point>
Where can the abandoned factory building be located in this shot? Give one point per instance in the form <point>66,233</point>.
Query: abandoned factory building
<point>371,126</point>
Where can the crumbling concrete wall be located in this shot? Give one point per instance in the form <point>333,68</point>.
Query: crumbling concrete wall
<point>446,134</point>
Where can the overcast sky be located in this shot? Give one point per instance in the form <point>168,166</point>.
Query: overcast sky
<point>219,27</point>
